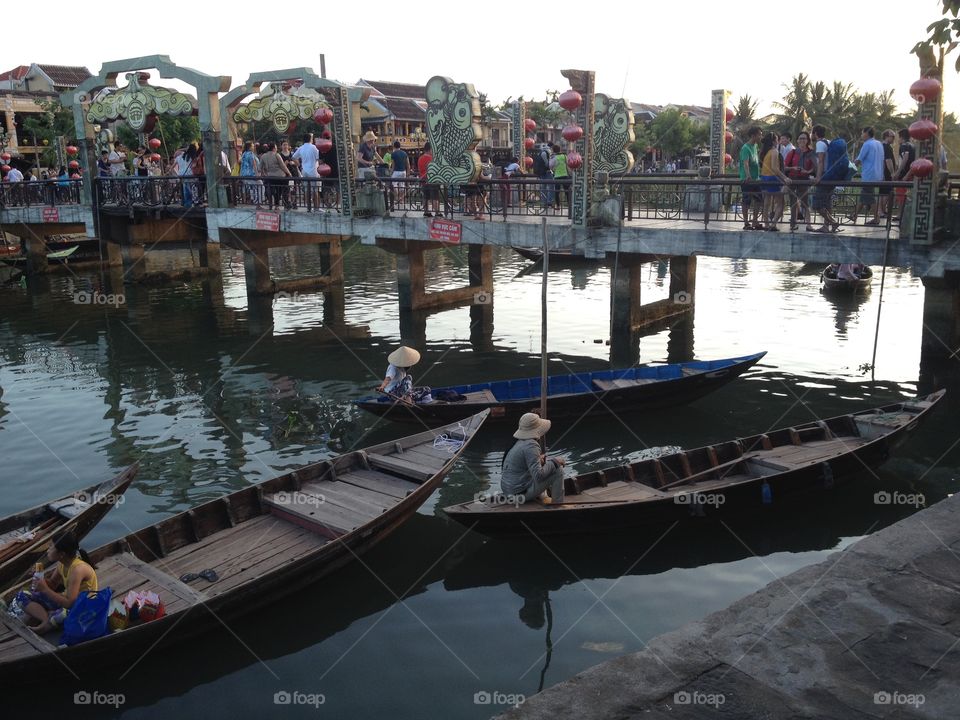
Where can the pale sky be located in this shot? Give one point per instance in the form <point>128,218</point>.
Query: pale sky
<point>654,52</point>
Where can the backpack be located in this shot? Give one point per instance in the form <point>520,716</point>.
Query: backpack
<point>541,166</point>
<point>837,162</point>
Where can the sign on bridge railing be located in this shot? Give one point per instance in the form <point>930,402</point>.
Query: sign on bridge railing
<point>268,221</point>
<point>448,231</point>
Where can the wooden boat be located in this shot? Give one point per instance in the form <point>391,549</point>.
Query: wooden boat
<point>587,393</point>
<point>723,479</point>
<point>832,283</point>
<point>264,541</point>
<point>26,536</point>
<point>58,255</point>
<point>564,256</point>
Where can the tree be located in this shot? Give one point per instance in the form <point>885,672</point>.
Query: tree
<point>55,121</point>
<point>795,104</point>
<point>745,112</point>
<point>943,34</point>
<point>174,131</point>
<point>671,131</point>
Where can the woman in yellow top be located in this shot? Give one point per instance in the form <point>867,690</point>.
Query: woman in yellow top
<point>770,174</point>
<point>72,575</point>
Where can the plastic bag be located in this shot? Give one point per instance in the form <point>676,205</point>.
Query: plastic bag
<point>87,619</point>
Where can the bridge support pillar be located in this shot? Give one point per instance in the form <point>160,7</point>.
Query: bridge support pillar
<point>683,279</point>
<point>36,251</point>
<point>331,260</point>
<point>210,255</point>
<point>411,284</point>
<point>256,269</point>
<point>941,318</point>
<point>134,261</point>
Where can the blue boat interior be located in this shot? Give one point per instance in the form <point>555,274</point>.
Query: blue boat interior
<point>529,388</point>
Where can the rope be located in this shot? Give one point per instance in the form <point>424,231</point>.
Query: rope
<point>448,443</point>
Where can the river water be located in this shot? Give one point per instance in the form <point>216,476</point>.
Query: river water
<point>211,393</point>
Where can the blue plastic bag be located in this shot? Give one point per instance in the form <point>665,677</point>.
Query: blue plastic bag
<point>87,619</point>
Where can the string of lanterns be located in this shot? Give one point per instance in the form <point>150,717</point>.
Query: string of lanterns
<point>324,144</point>
<point>923,90</point>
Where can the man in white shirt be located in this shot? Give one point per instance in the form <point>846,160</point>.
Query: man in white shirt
<point>118,168</point>
<point>309,157</point>
<point>785,145</point>
<point>16,191</point>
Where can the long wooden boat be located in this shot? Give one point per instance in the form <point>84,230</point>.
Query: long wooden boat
<point>587,393</point>
<point>564,256</point>
<point>717,480</point>
<point>58,255</point>
<point>262,542</point>
<point>26,536</point>
<point>832,283</point>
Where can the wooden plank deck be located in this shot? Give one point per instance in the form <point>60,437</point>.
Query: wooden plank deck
<point>398,465</point>
<point>379,482</point>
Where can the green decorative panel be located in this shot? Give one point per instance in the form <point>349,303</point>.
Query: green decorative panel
<point>612,134</point>
<point>453,125</point>
<point>137,101</point>
<point>281,106</point>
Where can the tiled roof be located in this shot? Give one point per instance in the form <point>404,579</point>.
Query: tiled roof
<point>65,75</point>
<point>18,73</point>
<point>403,109</point>
<point>397,90</point>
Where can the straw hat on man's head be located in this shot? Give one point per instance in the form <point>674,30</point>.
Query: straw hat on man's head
<point>531,426</point>
<point>369,135</point>
<point>403,357</point>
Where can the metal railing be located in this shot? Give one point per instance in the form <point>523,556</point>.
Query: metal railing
<point>281,193</point>
<point>41,192</point>
<point>151,191</point>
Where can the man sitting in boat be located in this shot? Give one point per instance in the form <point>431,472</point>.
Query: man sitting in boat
<point>850,271</point>
<point>399,382</point>
<point>72,575</point>
<point>525,470</point>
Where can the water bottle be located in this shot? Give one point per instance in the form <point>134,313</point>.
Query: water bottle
<point>37,574</point>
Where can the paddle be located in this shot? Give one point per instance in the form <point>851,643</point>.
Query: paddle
<point>400,401</point>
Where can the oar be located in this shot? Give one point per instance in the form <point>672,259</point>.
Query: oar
<point>400,401</point>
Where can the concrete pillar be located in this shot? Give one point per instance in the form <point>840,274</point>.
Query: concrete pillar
<point>114,276</point>
<point>210,255</point>
<point>413,327</point>
<point>114,256</point>
<point>941,317</point>
<point>334,306</point>
<point>259,314</point>
<point>36,250</point>
<point>680,340</point>
<point>410,278</point>
<point>331,260</point>
<point>134,261</point>
<point>256,268</point>
<point>480,265</point>
<point>481,327</point>
<point>683,279</point>
<point>625,314</point>
<point>718,129</point>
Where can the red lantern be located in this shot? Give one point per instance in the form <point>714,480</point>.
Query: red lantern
<point>727,159</point>
<point>4,168</point>
<point>5,157</point>
<point>528,161</point>
<point>728,137</point>
<point>570,100</point>
<point>326,135</point>
<point>72,150</point>
<point>574,160</point>
<point>154,143</point>
<point>323,170</point>
<point>323,115</point>
<point>528,143</point>
<point>529,124</point>
<point>925,89</point>
<point>922,167</point>
<point>572,133</point>
<point>73,164</point>
<point>155,157</point>
<point>324,145</point>
<point>923,129</point>
<point>730,115</point>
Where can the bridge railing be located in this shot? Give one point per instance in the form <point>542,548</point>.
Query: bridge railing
<point>299,193</point>
<point>41,192</point>
<point>151,191</point>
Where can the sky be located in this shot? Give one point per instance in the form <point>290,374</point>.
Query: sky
<point>652,52</point>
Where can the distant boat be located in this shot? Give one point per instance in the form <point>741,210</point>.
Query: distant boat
<point>565,256</point>
<point>57,255</point>
<point>570,396</point>
<point>834,284</point>
<point>725,479</point>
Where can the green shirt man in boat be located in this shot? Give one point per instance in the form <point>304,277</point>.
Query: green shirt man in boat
<point>526,471</point>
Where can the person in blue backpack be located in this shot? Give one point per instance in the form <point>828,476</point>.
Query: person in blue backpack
<point>832,164</point>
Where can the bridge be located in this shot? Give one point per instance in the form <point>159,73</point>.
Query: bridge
<point>601,211</point>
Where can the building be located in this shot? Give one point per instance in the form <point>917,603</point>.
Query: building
<point>21,91</point>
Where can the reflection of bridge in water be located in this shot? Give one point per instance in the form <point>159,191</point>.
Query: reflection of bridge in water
<point>601,211</point>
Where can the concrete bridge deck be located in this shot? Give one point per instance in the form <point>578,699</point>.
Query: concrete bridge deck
<point>870,632</point>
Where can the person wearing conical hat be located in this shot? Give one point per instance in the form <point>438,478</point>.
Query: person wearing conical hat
<point>398,381</point>
<point>526,473</point>
<point>367,156</point>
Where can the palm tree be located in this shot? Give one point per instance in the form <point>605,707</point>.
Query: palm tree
<point>744,114</point>
<point>795,103</point>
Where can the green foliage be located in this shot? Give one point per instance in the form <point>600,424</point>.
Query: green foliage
<point>55,121</point>
<point>672,131</point>
<point>543,114</point>
<point>174,131</point>
<point>943,33</point>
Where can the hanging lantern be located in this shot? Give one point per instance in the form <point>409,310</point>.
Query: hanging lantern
<point>570,100</point>
<point>323,115</point>
<point>324,145</point>
<point>923,129</point>
<point>154,143</point>
<point>528,161</point>
<point>46,142</point>
<point>730,115</point>
<point>925,89</point>
<point>922,167</point>
<point>5,157</point>
<point>728,137</point>
<point>574,161</point>
<point>529,124</point>
<point>73,165</point>
<point>324,170</point>
<point>326,135</point>
<point>572,133</point>
<point>727,159</point>
<point>155,157</point>
<point>528,143</point>
<point>4,168</point>
<point>72,150</point>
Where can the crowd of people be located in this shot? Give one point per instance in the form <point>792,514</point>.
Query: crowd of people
<point>774,173</point>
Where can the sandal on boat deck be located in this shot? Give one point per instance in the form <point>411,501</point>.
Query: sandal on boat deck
<point>209,575</point>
